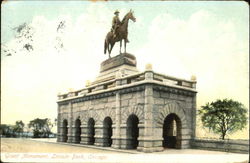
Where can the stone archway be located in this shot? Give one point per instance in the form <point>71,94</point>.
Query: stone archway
<point>77,131</point>
<point>132,132</point>
<point>172,131</point>
<point>91,131</point>
<point>65,131</point>
<point>107,132</point>
<point>173,108</point>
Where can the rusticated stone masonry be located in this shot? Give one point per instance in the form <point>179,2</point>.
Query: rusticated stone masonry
<point>127,109</point>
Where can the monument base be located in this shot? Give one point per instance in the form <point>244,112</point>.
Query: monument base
<point>122,65</point>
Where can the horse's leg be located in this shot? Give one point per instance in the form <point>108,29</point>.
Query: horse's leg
<point>109,53</point>
<point>120,46</point>
<point>105,46</point>
<point>109,49</point>
<point>112,45</point>
<point>125,43</point>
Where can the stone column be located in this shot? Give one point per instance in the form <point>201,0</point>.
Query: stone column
<point>117,132</point>
<point>59,131</point>
<point>193,116</point>
<point>149,139</point>
<point>145,140</point>
<point>158,131</point>
<point>62,136</point>
<point>106,139</point>
<point>141,136</point>
<point>59,124</point>
<point>123,137</point>
<point>99,135</point>
<point>148,117</point>
<point>73,134</point>
<point>70,125</point>
<point>84,134</point>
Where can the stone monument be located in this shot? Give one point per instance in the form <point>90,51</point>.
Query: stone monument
<point>127,109</point>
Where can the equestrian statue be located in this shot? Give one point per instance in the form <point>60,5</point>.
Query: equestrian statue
<point>119,32</point>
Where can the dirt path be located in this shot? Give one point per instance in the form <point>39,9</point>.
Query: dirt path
<point>12,149</point>
<point>32,146</point>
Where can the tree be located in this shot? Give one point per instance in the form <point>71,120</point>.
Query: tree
<point>36,125</point>
<point>40,127</point>
<point>7,130</point>
<point>224,116</point>
<point>47,127</point>
<point>18,127</point>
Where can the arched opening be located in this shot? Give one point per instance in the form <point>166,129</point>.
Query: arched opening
<point>107,131</point>
<point>65,131</point>
<point>77,131</point>
<point>172,131</point>
<point>91,131</point>
<point>132,132</point>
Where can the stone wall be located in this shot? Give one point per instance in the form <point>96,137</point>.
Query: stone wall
<point>238,146</point>
<point>150,103</point>
<point>118,105</point>
<point>98,109</point>
<point>127,109</point>
<point>180,103</point>
<point>131,110</point>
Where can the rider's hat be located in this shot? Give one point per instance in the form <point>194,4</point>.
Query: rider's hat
<point>116,12</point>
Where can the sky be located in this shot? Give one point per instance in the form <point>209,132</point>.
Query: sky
<point>207,39</point>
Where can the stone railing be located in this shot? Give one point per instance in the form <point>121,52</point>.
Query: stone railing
<point>120,80</point>
<point>238,146</point>
<point>174,81</point>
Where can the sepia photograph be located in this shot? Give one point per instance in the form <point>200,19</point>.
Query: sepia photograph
<point>125,81</point>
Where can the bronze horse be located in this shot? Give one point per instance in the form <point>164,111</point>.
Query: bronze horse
<point>122,34</point>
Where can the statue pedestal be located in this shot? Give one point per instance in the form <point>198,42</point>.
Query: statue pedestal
<point>122,65</point>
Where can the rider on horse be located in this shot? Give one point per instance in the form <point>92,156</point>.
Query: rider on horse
<point>115,24</point>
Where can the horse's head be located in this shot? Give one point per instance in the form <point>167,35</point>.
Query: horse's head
<point>130,15</point>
